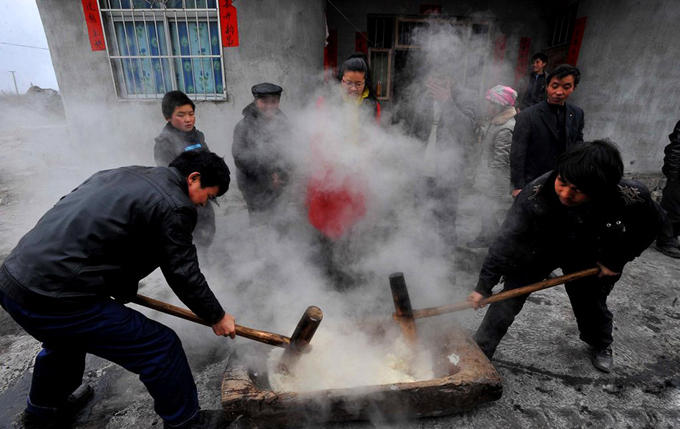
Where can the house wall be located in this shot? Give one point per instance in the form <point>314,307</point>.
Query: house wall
<point>274,47</point>
<point>629,60</point>
<point>630,88</point>
<point>526,18</point>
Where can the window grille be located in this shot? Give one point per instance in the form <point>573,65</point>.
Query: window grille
<point>389,56</point>
<point>156,46</point>
<point>563,25</point>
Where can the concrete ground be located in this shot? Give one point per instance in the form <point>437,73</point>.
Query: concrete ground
<point>547,377</point>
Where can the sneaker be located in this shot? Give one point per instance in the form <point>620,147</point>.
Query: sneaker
<point>602,359</point>
<point>668,250</point>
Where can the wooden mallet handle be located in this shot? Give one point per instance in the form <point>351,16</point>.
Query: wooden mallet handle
<point>242,331</point>
<point>435,311</point>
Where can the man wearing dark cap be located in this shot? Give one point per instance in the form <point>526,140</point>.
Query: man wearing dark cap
<point>262,165</point>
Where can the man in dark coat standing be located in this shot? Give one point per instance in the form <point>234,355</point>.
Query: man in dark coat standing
<point>259,152</point>
<point>579,216</point>
<point>98,242</point>
<point>667,242</point>
<point>545,130</point>
<point>534,92</point>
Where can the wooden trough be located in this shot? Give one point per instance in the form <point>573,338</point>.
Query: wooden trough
<point>461,382</point>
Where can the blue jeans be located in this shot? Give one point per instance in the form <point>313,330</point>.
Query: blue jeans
<point>114,332</point>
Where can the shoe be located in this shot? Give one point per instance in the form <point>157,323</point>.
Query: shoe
<point>64,416</point>
<point>668,250</point>
<point>602,359</point>
<point>204,419</point>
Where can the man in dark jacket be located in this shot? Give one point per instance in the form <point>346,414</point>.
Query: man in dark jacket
<point>98,242</point>
<point>667,242</point>
<point>545,130</point>
<point>579,216</point>
<point>534,92</point>
<point>259,152</point>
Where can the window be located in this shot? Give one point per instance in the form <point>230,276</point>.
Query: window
<point>391,45</point>
<point>563,25</point>
<point>156,46</point>
<point>381,71</point>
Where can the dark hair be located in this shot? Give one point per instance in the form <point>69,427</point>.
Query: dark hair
<point>172,100</point>
<point>358,63</point>
<point>593,167</point>
<point>211,167</point>
<point>539,56</point>
<point>564,70</point>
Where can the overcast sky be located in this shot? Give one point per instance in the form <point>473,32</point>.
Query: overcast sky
<point>20,24</point>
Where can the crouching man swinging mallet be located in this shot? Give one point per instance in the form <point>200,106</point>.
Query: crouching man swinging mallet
<point>97,242</point>
<point>580,215</point>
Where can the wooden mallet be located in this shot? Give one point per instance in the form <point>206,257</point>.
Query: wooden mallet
<point>512,293</point>
<point>299,341</point>
<point>294,346</point>
<point>242,331</point>
<point>402,306</point>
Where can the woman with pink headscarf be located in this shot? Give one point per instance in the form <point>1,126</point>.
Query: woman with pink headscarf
<point>492,179</point>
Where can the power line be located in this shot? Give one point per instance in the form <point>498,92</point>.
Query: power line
<point>24,46</point>
<point>348,21</point>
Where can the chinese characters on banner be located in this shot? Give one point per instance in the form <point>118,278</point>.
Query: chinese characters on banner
<point>522,58</point>
<point>229,24</point>
<point>94,25</point>
<point>576,39</point>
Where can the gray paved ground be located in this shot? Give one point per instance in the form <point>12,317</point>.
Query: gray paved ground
<point>547,377</point>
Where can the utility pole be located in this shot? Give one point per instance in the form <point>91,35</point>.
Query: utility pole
<point>15,82</point>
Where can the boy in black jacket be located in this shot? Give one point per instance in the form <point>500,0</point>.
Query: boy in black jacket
<point>578,216</point>
<point>178,136</point>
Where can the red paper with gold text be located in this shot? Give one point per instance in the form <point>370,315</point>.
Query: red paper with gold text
<point>229,24</point>
<point>94,25</point>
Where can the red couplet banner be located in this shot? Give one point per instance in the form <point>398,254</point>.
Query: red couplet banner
<point>94,25</point>
<point>576,40</point>
<point>522,58</point>
<point>229,24</point>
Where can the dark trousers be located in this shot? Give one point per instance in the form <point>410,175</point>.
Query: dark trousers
<point>671,204</point>
<point>114,332</point>
<point>444,200</point>
<point>588,299</point>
